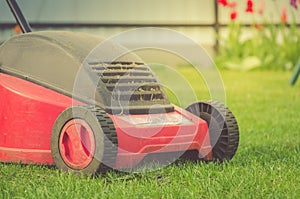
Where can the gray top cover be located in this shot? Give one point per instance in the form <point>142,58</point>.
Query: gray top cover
<point>87,68</point>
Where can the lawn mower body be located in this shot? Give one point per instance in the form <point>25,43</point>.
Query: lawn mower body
<point>38,71</point>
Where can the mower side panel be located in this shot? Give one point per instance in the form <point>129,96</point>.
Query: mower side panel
<point>27,114</point>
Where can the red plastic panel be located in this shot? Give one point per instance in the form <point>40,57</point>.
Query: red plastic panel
<point>27,114</point>
<point>139,135</point>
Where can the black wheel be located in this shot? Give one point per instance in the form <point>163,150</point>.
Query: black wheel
<point>84,140</point>
<point>223,128</point>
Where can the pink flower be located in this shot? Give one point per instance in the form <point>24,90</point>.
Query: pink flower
<point>249,6</point>
<point>294,4</point>
<point>261,7</point>
<point>258,26</point>
<point>233,15</point>
<point>223,2</point>
<point>232,4</point>
<point>17,29</point>
<point>283,15</point>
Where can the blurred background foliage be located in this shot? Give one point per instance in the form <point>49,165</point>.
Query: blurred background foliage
<point>267,45</point>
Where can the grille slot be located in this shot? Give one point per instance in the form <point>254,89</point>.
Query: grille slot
<point>132,86</point>
<point>139,96</point>
<point>126,79</point>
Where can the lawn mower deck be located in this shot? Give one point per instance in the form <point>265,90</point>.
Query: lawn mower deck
<point>53,111</point>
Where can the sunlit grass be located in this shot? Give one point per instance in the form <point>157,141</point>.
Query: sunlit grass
<point>267,163</point>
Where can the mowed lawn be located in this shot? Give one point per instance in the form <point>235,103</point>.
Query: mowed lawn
<point>267,163</point>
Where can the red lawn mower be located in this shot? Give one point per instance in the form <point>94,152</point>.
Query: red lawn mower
<point>127,122</point>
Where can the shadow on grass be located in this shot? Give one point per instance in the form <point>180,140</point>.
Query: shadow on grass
<point>262,155</point>
<point>29,166</point>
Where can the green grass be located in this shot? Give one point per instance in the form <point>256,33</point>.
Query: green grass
<point>267,163</point>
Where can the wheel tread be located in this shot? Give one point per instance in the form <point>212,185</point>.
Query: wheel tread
<point>111,138</point>
<point>227,144</point>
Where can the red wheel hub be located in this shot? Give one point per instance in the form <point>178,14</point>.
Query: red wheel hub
<point>77,144</point>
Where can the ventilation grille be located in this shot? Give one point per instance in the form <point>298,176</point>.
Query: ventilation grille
<point>129,81</point>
